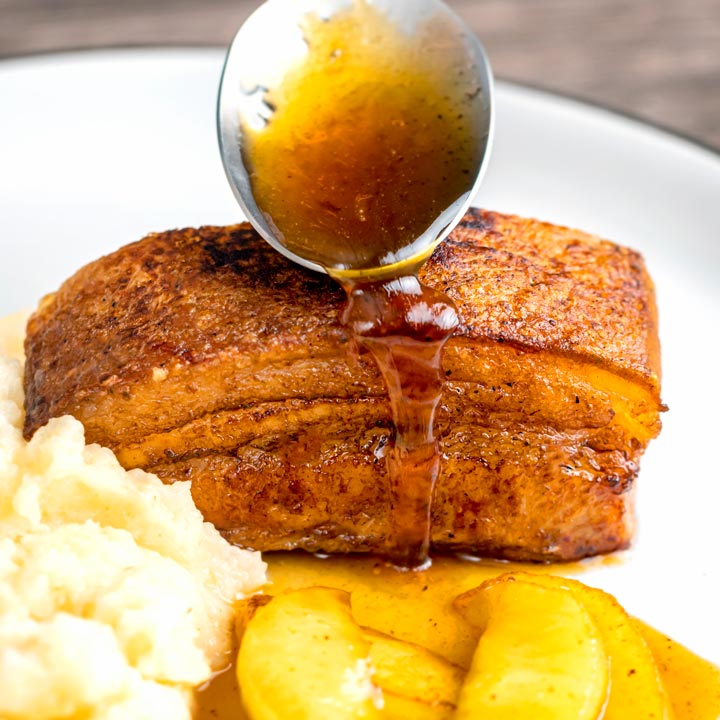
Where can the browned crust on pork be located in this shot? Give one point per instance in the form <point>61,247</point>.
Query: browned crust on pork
<point>204,354</point>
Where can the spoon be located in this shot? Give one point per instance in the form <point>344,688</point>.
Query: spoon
<point>410,41</point>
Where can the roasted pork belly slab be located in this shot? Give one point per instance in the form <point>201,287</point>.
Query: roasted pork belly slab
<point>204,355</point>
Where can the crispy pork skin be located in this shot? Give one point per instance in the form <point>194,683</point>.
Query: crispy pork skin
<point>204,355</point>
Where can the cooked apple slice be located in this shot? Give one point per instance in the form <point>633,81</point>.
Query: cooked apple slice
<point>303,656</point>
<point>636,690</point>
<point>540,654</point>
<point>416,683</point>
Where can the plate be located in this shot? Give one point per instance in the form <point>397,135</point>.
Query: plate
<point>99,148</point>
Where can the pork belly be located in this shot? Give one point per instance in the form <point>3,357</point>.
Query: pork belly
<point>203,355</point>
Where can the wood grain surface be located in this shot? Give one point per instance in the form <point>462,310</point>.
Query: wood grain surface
<point>657,59</point>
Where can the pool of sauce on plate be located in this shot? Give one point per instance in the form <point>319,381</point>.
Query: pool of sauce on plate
<point>370,146</point>
<point>381,597</point>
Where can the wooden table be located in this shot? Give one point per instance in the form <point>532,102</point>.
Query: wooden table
<point>657,59</point>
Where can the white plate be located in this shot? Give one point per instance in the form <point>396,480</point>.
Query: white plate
<point>96,149</point>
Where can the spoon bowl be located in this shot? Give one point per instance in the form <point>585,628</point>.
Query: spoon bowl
<point>273,43</point>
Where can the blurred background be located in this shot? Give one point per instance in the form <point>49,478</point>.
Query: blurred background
<point>656,59</point>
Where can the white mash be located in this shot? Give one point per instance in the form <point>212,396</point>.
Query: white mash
<point>115,597</point>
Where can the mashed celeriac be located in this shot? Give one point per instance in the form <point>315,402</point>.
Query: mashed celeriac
<point>115,597</point>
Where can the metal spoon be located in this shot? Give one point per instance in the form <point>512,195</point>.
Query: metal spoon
<point>271,42</point>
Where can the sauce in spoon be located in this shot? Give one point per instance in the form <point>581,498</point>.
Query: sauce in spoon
<point>368,144</point>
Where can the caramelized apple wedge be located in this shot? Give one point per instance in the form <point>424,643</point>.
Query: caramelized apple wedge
<point>303,656</point>
<point>540,655</point>
<point>636,690</point>
<point>416,683</point>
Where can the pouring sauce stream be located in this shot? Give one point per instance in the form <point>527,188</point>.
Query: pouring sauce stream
<point>405,325</point>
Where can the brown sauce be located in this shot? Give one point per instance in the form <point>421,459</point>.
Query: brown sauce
<point>417,607</point>
<point>372,136</point>
<point>372,146</point>
<point>405,325</point>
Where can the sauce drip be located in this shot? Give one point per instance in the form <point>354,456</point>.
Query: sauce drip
<point>366,152</point>
<point>405,325</point>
